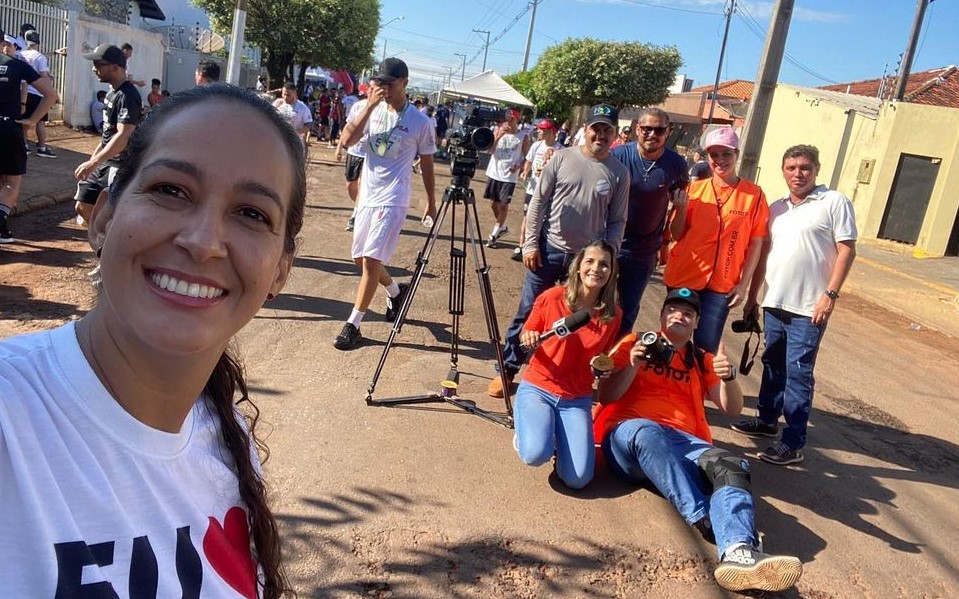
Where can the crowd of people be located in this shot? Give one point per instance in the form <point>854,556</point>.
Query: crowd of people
<point>188,225</point>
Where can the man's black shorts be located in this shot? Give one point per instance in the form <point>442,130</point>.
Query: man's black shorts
<point>89,189</point>
<point>13,156</point>
<point>499,191</point>
<point>354,166</point>
<point>325,121</point>
<point>33,102</point>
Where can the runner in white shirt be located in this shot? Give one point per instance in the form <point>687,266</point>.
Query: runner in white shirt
<point>538,155</point>
<point>395,134</point>
<point>38,61</point>
<point>295,111</point>
<point>502,172</point>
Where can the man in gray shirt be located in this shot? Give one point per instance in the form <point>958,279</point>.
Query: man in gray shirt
<point>582,196</point>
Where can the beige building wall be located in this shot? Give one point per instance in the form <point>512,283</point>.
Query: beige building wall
<point>921,130</point>
<point>847,138</point>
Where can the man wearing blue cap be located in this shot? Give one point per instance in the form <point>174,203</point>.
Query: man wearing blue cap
<point>653,428</point>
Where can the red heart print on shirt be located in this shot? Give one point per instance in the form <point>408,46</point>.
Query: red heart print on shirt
<point>227,548</point>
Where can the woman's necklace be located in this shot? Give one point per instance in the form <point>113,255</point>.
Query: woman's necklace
<point>723,192</point>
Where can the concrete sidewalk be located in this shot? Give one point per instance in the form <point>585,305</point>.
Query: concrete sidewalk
<point>925,291</point>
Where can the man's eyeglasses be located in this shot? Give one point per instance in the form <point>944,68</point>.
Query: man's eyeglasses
<point>656,130</point>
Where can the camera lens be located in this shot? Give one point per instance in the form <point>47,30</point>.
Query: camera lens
<point>482,138</point>
<point>649,337</point>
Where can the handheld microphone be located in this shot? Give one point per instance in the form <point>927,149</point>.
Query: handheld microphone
<point>566,326</point>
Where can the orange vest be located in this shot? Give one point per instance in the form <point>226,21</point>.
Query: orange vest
<point>712,250</point>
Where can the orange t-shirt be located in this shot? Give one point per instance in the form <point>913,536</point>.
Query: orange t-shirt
<point>561,365</point>
<point>712,251</point>
<point>671,395</point>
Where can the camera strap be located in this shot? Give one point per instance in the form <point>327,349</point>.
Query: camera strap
<point>746,363</point>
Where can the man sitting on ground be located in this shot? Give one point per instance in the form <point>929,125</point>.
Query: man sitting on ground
<point>653,428</point>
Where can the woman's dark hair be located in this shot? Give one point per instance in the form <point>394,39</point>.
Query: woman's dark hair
<point>227,379</point>
<point>606,302</point>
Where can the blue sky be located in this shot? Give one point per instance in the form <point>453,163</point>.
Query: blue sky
<point>829,40</point>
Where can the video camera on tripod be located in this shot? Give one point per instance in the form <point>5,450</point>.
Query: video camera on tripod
<point>474,135</point>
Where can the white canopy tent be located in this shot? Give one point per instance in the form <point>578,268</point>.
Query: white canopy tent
<point>489,87</point>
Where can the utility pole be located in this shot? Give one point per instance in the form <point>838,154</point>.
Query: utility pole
<point>236,43</point>
<point>463,72</point>
<point>485,47</point>
<point>758,116</point>
<point>529,34</point>
<point>719,67</point>
<point>384,50</point>
<point>906,65</point>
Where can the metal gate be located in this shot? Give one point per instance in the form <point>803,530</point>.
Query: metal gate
<point>51,23</point>
<point>909,198</point>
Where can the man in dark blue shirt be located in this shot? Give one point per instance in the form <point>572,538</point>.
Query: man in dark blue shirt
<point>13,154</point>
<point>656,172</point>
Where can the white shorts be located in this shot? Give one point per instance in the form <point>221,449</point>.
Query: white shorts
<point>376,231</point>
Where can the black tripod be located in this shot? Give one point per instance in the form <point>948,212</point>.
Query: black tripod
<point>457,193</point>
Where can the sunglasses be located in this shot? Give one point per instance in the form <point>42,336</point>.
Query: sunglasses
<point>656,130</point>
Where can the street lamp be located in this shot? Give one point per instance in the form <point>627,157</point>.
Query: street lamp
<point>384,25</point>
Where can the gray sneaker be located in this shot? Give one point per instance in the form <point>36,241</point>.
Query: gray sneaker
<point>45,152</point>
<point>746,568</point>
<point>781,455</point>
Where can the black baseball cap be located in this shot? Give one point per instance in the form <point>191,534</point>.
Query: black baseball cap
<point>32,37</point>
<point>390,70</point>
<point>109,54</point>
<point>683,295</point>
<point>603,113</point>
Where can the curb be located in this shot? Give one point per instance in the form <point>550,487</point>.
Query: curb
<point>38,202</point>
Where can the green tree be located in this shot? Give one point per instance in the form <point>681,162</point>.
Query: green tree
<point>337,34</point>
<point>589,71</point>
<point>545,106</point>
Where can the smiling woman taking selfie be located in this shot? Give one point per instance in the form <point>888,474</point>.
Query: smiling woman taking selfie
<point>126,467</point>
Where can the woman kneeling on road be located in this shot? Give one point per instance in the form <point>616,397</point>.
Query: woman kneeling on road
<point>554,400</point>
<point>126,467</point>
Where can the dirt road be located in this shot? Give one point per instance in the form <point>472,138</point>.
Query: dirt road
<point>432,502</point>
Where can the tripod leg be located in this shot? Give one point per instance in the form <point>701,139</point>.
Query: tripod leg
<point>422,259</point>
<point>486,293</point>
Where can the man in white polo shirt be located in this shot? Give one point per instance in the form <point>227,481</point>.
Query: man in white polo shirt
<point>809,251</point>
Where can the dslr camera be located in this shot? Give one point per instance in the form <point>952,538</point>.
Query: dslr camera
<point>474,136</point>
<point>749,324</point>
<point>659,351</point>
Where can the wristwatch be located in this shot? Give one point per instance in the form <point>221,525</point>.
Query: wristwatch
<point>732,374</point>
<point>831,294</point>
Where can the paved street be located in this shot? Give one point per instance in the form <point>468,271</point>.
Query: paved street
<point>432,502</point>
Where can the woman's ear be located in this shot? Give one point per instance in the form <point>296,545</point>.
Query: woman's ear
<point>100,221</point>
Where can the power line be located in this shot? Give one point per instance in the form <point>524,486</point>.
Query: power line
<point>501,33</point>
<point>754,26</point>
<point>675,8</point>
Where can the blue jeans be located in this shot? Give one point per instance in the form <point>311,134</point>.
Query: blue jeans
<point>792,344</point>
<point>641,449</point>
<point>546,424</point>
<point>713,311</point>
<point>554,264</point>
<point>634,273</point>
